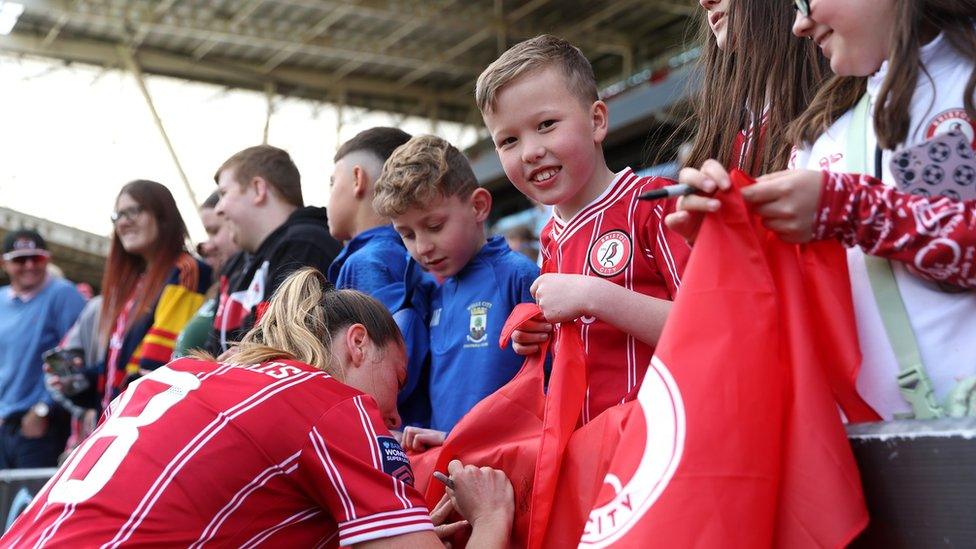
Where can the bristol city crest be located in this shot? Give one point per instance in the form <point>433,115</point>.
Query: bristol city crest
<point>611,253</point>
<point>951,120</point>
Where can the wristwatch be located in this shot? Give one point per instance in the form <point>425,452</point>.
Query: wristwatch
<point>41,409</point>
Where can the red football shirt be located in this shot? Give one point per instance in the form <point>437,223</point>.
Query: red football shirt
<point>198,453</point>
<point>624,240</point>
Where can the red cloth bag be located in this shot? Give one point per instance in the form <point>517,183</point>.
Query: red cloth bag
<point>735,438</point>
<point>504,429</point>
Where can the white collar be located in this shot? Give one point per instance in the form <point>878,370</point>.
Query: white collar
<point>27,296</point>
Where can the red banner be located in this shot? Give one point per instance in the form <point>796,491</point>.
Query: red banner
<point>735,439</point>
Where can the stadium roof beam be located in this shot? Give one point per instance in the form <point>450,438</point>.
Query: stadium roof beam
<point>389,41</point>
<point>474,40</point>
<point>140,19</point>
<point>399,56</point>
<point>311,84</point>
<point>307,36</point>
<point>130,62</point>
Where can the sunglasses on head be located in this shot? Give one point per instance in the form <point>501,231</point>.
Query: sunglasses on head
<point>802,6</point>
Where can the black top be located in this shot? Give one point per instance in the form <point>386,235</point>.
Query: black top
<point>249,280</point>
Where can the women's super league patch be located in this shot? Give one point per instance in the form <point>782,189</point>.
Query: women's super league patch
<point>610,254</point>
<point>394,459</point>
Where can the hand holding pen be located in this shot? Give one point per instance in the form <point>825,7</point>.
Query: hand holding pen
<point>691,208</point>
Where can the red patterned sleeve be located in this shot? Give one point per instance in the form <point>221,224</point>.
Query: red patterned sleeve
<point>357,471</point>
<point>935,237</point>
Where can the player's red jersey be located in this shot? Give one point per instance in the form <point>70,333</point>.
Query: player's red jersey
<point>203,454</point>
<point>624,240</point>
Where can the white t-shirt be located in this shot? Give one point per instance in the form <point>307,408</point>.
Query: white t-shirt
<point>944,323</point>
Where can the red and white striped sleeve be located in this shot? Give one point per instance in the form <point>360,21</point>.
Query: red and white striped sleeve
<point>360,474</point>
<point>935,237</point>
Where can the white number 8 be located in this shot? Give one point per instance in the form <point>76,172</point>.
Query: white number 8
<point>97,459</point>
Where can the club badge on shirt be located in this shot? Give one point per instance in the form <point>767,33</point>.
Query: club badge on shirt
<point>951,120</point>
<point>610,254</point>
<point>394,459</point>
<point>478,324</point>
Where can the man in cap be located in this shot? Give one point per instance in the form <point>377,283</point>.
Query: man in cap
<point>35,312</point>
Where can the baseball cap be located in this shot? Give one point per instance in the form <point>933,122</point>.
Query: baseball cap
<point>24,243</point>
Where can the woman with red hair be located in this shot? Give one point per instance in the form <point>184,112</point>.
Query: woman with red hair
<point>151,286</point>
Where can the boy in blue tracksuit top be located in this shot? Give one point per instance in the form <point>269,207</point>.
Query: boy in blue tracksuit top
<point>430,192</point>
<point>374,258</point>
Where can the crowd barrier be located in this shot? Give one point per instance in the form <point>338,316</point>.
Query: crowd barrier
<point>17,487</point>
<point>919,481</point>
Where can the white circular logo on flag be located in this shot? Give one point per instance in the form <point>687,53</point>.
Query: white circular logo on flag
<point>611,253</point>
<point>656,461</point>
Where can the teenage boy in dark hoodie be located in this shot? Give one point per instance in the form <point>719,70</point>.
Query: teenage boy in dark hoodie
<point>261,199</point>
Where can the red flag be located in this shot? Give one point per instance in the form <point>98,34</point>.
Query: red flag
<point>735,438</point>
<point>503,430</point>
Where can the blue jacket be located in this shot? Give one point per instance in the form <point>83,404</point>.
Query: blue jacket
<point>466,315</point>
<point>373,262</point>
<point>27,329</point>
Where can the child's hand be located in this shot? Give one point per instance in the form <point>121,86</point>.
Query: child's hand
<point>787,201</point>
<point>692,208</point>
<point>526,340</point>
<point>563,297</point>
<point>418,439</point>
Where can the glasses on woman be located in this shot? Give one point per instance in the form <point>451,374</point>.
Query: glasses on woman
<point>802,6</point>
<point>129,214</point>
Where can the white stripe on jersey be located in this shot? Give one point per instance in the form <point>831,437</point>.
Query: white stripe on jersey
<point>53,528</point>
<point>333,473</point>
<point>632,365</point>
<point>294,519</point>
<point>199,441</point>
<point>286,467</point>
<point>381,525</point>
<point>380,519</point>
<point>371,442</point>
<point>665,248</point>
<point>223,369</point>
<point>399,489</point>
<point>385,533</point>
<point>585,328</point>
<point>324,542</point>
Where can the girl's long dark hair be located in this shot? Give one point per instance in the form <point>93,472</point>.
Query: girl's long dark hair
<point>914,21</point>
<point>764,67</point>
<point>123,269</point>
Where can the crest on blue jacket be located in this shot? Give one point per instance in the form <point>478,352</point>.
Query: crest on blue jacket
<point>478,323</point>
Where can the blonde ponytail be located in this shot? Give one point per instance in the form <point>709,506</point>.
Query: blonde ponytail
<point>304,315</point>
<point>293,326</point>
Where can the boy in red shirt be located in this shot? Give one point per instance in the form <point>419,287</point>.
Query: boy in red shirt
<point>611,264</point>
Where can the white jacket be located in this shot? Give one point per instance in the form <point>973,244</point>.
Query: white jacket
<point>944,323</point>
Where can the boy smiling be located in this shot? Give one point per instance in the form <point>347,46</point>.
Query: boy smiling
<point>612,266</point>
